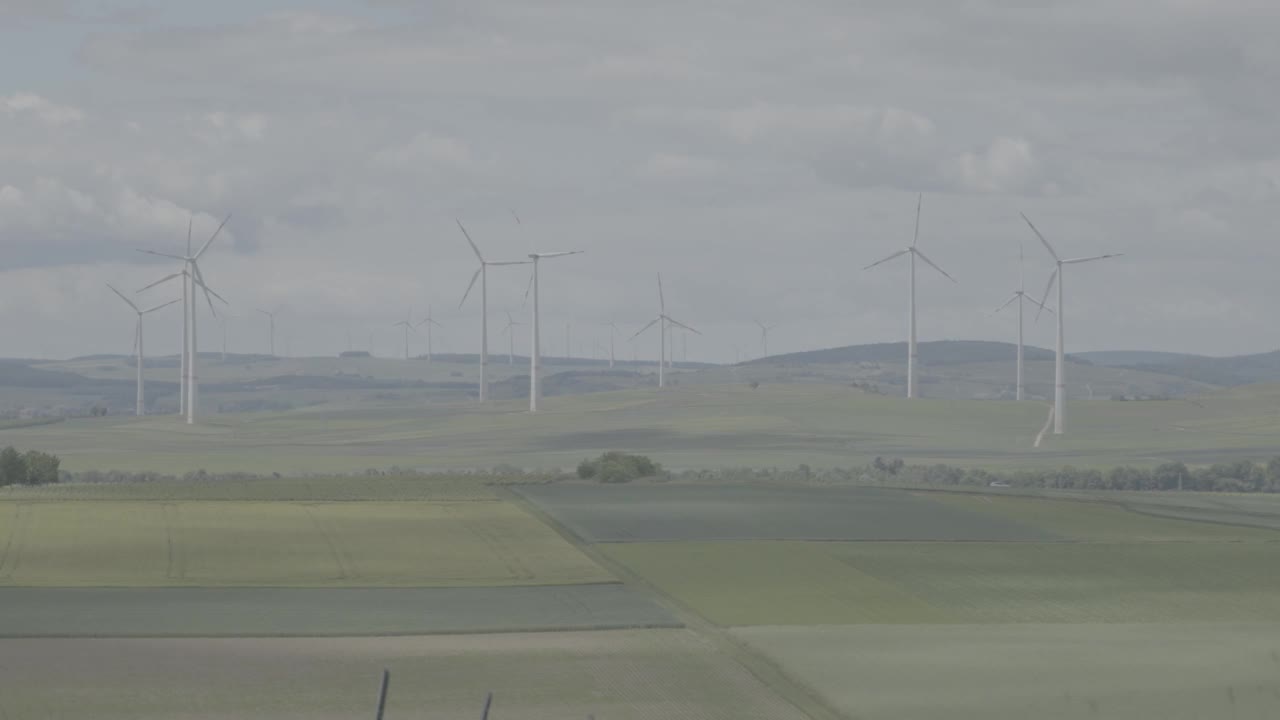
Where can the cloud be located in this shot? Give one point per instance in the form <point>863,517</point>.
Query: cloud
<point>42,109</point>
<point>677,166</point>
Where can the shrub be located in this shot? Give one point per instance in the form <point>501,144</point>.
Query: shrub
<point>617,467</point>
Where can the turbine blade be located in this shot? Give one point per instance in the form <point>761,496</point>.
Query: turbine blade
<point>470,242</point>
<point>1037,303</point>
<point>122,297</point>
<point>916,237</point>
<point>164,279</point>
<point>509,262</point>
<point>900,253</point>
<point>932,265</point>
<point>190,219</point>
<point>161,306</point>
<point>1022,280</point>
<point>209,242</point>
<point>472,284</point>
<point>517,217</point>
<point>1006,304</point>
<point>200,281</point>
<point>163,255</point>
<point>646,327</point>
<point>528,289</point>
<point>1091,258</point>
<point>559,254</point>
<point>488,702</point>
<point>677,323</point>
<point>1046,244</point>
<point>662,300</point>
<point>1047,289</point>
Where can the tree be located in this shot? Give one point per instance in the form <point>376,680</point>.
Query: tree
<point>13,469</point>
<point>42,468</point>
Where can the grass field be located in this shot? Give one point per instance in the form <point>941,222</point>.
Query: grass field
<point>320,612</point>
<point>617,675</point>
<point>290,544</point>
<point>1042,671</point>
<point>670,512</point>
<point>696,426</point>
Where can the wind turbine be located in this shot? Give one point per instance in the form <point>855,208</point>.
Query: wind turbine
<point>428,322</point>
<point>191,277</point>
<point>613,331</point>
<point>271,316</point>
<point>482,273</point>
<point>1059,374</point>
<point>913,252</point>
<point>511,338</point>
<point>139,352</point>
<point>1020,297</point>
<point>663,321</point>
<point>764,338</point>
<point>407,324</point>
<point>535,347</point>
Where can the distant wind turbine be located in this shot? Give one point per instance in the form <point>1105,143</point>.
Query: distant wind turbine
<point>1021,297</point>
<point>138,349</point>
<point>535,347</point>
<point>191,277</point>
<point>764,338</point>
<point>429,322</point>
<point>271,317</point>
<point>511,338</point>
<point>407,324</point>
<point>1059,374</point>
<point>913,252</point>
<point>613,331</point>
<point>482,273</point>
<point>663,321</point>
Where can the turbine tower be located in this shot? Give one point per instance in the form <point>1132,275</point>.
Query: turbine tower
<point>663,321</point>
<point>191,277</point>
<point>613,331</point>
<point>428,322</point>
<point>764,338</point>
<point>407,324</point>
<point>913,252</point>
<point>535,348</point>
<point>1059,374</point>
<point>482,273</point>
<point>511,338</point>
<point>138,349</point>
<point>1021,297</point>
<point>271,316</point>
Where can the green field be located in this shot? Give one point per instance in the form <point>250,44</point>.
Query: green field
<point>283,544</point>
<point>616,675</point>
<point>1041,671</point>
<point>702,426</point>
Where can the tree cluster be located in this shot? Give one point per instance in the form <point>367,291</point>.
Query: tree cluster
<point>30,468</point>
<point>1238,476</point>
<point>618,467</point>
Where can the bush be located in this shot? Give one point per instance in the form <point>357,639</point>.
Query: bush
<point>618,467</point>
<point>30,468</point>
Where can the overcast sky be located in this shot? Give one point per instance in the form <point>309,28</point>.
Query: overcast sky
<point>757,154</point>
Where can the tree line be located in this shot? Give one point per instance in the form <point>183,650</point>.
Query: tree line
<point>28,468</point>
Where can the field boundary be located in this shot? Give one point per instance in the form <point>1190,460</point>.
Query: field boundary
<point>797,693</point>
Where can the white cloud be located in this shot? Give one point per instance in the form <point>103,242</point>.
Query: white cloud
<point>43,109</point>
<point>1007,165</point>
<point>668,165</point>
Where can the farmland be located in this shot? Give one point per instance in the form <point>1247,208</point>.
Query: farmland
<point>701,426</point>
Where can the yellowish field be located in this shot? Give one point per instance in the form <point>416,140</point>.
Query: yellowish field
<point>287,544</point>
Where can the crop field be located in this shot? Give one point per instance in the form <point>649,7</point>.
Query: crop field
<point>633,513</point>
<point>616,675</point>
<point>691,426</point>
<point>320,612</point>
<point>1014,672</point>
<point>292,544</point>
<point>443,487</point>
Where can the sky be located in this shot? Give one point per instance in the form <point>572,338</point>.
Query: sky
<point>756,154</point>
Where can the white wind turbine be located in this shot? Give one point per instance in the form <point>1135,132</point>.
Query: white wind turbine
<point>191,277</point>
<point>1059,374</point>
<point>407,324</point>
<point>913,252</point>
<point>764,338</point>
<point>429,322</point>
<point>138,349</point>
<point>271,317</point>
<point>1021,297</point>
<point>482,273</point>
<point>535,346</point>
<point>664,321</point>
<point>511,338</point>
<point>613,331</point>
